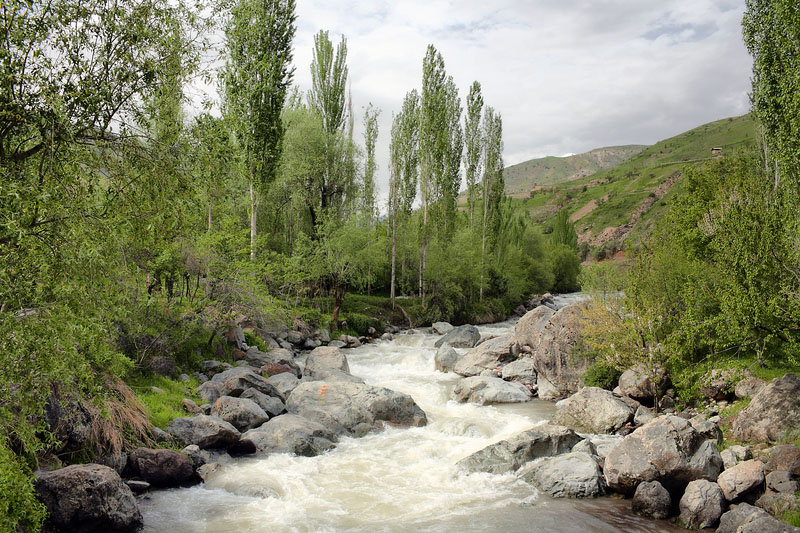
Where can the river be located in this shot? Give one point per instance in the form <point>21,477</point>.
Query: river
<point>396,480</point>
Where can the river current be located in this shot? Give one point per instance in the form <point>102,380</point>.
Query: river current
<point>395,480</point>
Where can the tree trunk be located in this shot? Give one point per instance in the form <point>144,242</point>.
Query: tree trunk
<point>253,210</point>
<point>394,256</point>
<point>338,300</point>
<point>209,216</point>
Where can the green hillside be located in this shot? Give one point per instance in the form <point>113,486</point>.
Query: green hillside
<point>522,177</point>
<point>621,202</point>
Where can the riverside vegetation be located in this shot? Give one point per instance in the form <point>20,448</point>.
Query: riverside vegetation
<point>135,234</point>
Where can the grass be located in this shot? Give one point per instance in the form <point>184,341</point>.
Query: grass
<point>162,407</point>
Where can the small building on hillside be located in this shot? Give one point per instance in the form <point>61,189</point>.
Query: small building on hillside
<point>716,151</point>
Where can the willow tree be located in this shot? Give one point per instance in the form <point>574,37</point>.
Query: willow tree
<point>472,139</point>
<point>256,78</point>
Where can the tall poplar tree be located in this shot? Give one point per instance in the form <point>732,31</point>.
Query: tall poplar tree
<point>256,78</point>
<point>370,138</point>
<point>493,183</point>
<point>472,139</point>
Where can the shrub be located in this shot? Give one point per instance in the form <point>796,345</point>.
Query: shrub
<point>601,374</point>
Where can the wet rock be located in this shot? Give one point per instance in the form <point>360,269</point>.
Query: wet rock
<point>204,431</point>
<point>772,412</point>
<point>88,497</point>
<point>745,518</point>
<point>325,358</point>
<point>271,405</point>
<point>162,468</point>
<point>593,410</point>
<point>570,475</point>
<point>521,370</point>
<point>490,355</point>
<point>668,450</point>
<point>702,505</point>
<point>200,457</point>
<point>387,337</point>
<point>741,479</point>
<point>465,336</point>
<point>138,487</point>
<point>292,434</point>
<point>442,328</point>
<point>510,454</point>
<point>353,408</point>
<point>208,470</point>
<point>486,390</point>
<point>446,358</point>
<point>284,383</point>
<point>651,500</point>
<point>749,387</point>
<point>241,413</point>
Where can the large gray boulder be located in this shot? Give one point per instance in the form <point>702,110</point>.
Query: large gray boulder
<point>509,455</point>
<point>272,406</point>
<point>465,336</point>
<point>570,475</point>
<point>489,355</point>
<point>332,374</point>
<point>668,450</point>
<point>442,328</point>
<point>486,390</point>
<point>292,434</point>
<point>354,408</point>
<point>88,497</point>
<point>529,328</point>
<point>638,383</point>
<point>325,358</point>
<point>749,387</point>
<point>741,479</point>
<point>593,410</point>
<point>237,380</point>
<point>520,370</point>
<point>284,383</point>
<point>745,518</point>
<point>205,431</point>
<point>241,413</point>
<point>651,500</point>
<point>702,505</point>
<point>772,413</point>
<point>162,468</point>
<point>558,370</point>
<point>446,358</point>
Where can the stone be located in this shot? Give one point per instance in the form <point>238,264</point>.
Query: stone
<point>741,479</point>
<point>88,497</point>
<point>204,431</point>
<point>354,408</point>
<point>465,336</point>
<point>271,405</point>
<point>520,370</point>
<point>781,481</point>
<point>200,457</point>
<point>323,335</point>
<point>706,428</point>
<point>745,518</point>
<point>310,344</point>
<point>272,369</point>
<point>490,355</point>
<point>162,468</point>
<point>295,337</point>
<point>651,500</point>
<point>553,357</point>
<point>337,344</point>
<point>702,505</point>
<point>528,329</point>
<point>138,487</point>
<point>586,446</point>
<point>749,387</point>
<point>331,375</point>
<point>777,503</point>
<point>442,328</point>
<point>785,457</point>
<point>161,365</point>
<point>237,380</point>
<point>772,413</point>
<point>446,358</point>
<point>292,434</point>
<point>719,385</point>
<point>284,383</point>
<point>190,407</point>
<point>593,410</point>
<point>729,458</point>
<point>199,376</point>
<point>234,336</point>
<point>325,358</point>
<point>667,449</point>
<point>643,415</point>
<point>241,413</point>
<point>117,461</point>
<point>638,383</point>
<point>206,471</point>
<point>487,390</point>
<point>570,475</point>
<point>387,337</point>
<point>510,454</point>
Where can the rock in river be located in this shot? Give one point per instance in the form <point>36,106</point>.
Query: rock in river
<point>593,410</point>
<point>485,390</point>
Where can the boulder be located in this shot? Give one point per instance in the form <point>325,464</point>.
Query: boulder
<point>521,370</point>
<point>162,468</point>
<point>570,475</point>
<point>785,457</point>
<point>781,481</point>
<point>204,431</point>
<point>719,385</point>
<point>337,344</point>
<point>508,455</point>
<point>741,479</point>
<point>593,410</point>
<point>161,365</point>
<point>586,446</point>
<point>192,408</point>
<point>209,391</point>
<point>772,413</point>
<point>256,357</point>
<point>485,390</point>
<point>638,383</point>
<point>237,380</point>
<point>295,337</point>
<point>442,328</point>
<point>651,500</point>
<point>668,450</point>
<point>235,336</point>
<point>745,518</point>
<point>528,328</point>
<point>292,434</point>
<point>271,369</point>
<point>777,503</point>
<point>200,457</point>
<point>643,415</point>
<point>749,387</point>
<point>325,358</point>
<point>353,408</point>
<point>271,405</point>
<point>552,351</point>
<point>706,428</point>
<point>465,336</point>
<point>446,357</point>
<point>702,505</point>
<point>284,383</point>
<point>490,355</point>
<point>332,374</point>
<point>729,459</point>
<point>88,497</point>
<point>241,413</point>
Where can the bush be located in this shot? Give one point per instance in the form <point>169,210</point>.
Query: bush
<point>566,266</point>
<point>254,340</point>
<point>601,374</point>
<point>19,508</point>
<point>361,323</point>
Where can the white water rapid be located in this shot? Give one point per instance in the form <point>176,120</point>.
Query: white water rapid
<point>396,480</point>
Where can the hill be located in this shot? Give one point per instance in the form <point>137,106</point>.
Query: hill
<point>622,202</point>
<point>523,177</point>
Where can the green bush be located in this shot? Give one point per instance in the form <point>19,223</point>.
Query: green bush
<point>566,266</point>
<point>601,374</point>
<point>19,508</point>
<point>361,323</point>
<point>254,340</point>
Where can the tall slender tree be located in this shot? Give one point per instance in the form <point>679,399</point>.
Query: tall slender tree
<point>256,78</point>
<point>493,183</point>
<point>472,139</point>
<point>370,138</point>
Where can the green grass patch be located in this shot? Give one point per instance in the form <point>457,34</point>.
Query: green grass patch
<point>162,407</point>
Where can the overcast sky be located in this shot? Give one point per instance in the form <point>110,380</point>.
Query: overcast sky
<point>567,76</point>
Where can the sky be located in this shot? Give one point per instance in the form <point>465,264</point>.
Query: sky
<point>567,76</point>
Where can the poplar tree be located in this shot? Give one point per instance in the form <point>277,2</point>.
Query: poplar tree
<point>370,138</point>
<point>493,183</point>
<point>256,78</point>
<point>472,138</point>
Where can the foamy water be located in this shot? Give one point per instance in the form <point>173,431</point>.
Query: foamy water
<point>394,480</point>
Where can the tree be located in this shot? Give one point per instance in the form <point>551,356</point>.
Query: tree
<point>472,135</point>
<point>370,137</point>
<point>493,183</point>
<point>564,230</point>
<point>256,78</point>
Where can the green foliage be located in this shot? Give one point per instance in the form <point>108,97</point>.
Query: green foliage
<point>19,507</point>
<point>564,231</point>
<point>361,323</point>
<point>254,340</point>
<point>601,374</point>
<point>566,268</point>
<point>164,405</point>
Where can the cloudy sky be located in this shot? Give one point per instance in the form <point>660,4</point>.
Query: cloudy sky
<point>567,76</point>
